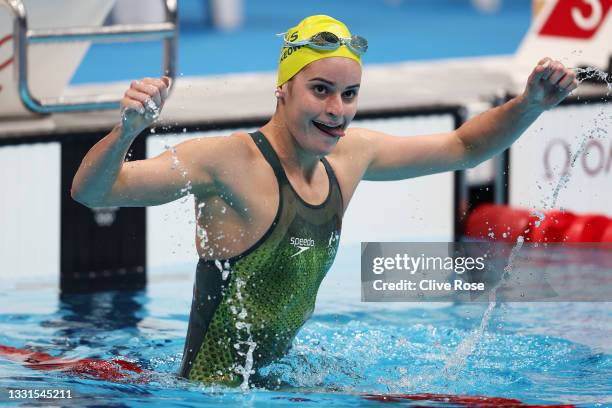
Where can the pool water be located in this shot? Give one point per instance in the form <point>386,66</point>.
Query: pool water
<point>539,353</point>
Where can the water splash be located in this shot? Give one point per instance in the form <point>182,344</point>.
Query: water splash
<point>592,73</point>
<point>466,347</point>
<point>151,110</point>
<point>224,268</point>
<point>541,217</point>
<point>468,344</point>
<point>185,191</point>
<point>200,231</point>
<point>242,325</point>
<point>599,131</point>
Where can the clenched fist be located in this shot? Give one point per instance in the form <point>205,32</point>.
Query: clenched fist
<point>142,103</point>
<point>549,83</point>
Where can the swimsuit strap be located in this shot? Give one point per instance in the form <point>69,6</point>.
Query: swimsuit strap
<point>333,181</point>
<point>272,158</point>
<point>270,155</point>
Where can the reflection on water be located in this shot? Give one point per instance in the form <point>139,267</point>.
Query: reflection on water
<point>86,319</point>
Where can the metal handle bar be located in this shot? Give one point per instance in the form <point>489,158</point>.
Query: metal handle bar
<point>22,37</point>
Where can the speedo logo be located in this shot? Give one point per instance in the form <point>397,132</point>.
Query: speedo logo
<point>302,244</point>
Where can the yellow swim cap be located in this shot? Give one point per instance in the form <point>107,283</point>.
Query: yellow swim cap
<point>293,59</point>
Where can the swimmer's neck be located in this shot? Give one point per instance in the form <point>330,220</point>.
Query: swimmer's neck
<point>292,156</point>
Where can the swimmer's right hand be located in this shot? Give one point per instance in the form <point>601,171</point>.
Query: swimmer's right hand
<point>142,103</point>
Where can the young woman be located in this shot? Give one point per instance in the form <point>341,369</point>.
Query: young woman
<point>271,202</point>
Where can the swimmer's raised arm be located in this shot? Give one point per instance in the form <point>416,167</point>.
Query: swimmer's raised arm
<point>104,179</point>
<point>396,158</point>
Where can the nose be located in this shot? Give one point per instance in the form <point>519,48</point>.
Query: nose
<point>335,106</point>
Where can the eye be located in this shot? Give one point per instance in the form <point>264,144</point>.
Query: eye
<point>320,89</point>
<point>350,94</point>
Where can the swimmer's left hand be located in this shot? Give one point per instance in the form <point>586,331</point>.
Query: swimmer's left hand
<point>549,83</point>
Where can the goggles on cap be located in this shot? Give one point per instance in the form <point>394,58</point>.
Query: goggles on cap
<point>330,41</point>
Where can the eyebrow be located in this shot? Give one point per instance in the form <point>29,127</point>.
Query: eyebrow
<point>331,83</point>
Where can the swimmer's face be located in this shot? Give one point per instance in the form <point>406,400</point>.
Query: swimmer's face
<point>324,92</point>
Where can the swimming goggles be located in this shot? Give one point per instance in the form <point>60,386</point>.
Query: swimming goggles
<point>330,41</point>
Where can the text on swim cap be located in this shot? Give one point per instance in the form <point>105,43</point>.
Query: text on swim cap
<point>287,51</point>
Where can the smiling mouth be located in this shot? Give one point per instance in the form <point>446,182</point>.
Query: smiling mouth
<point>335,131</point>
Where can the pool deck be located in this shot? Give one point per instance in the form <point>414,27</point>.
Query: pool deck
<point>475,83</point>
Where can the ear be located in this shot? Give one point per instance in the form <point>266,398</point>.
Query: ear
<point>279,93</point>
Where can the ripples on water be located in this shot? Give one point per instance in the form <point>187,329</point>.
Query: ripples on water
<point>536,352</point>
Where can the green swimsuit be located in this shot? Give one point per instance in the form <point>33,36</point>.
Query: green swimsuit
<point>246,310</point>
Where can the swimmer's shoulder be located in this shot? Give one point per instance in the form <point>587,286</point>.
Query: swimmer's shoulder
<point>218,162</point>
<point>355,148</point>
<point>217,153</point>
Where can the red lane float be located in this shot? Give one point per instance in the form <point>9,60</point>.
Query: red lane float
<point>115,370</point>
<point>498,223</point>
<point>472,401</point>
<point>481,221</point>
<point>587,228</point>
<point>503,223</point>
<point>607,234</point>
<point>553,228</point>
<point>515,222</point>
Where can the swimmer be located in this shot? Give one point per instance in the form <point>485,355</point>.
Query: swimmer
<point>269,205</point>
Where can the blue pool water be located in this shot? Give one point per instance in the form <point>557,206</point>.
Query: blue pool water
<point>535,352</point>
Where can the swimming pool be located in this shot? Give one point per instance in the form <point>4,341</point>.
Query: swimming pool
<point>539,353</point>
